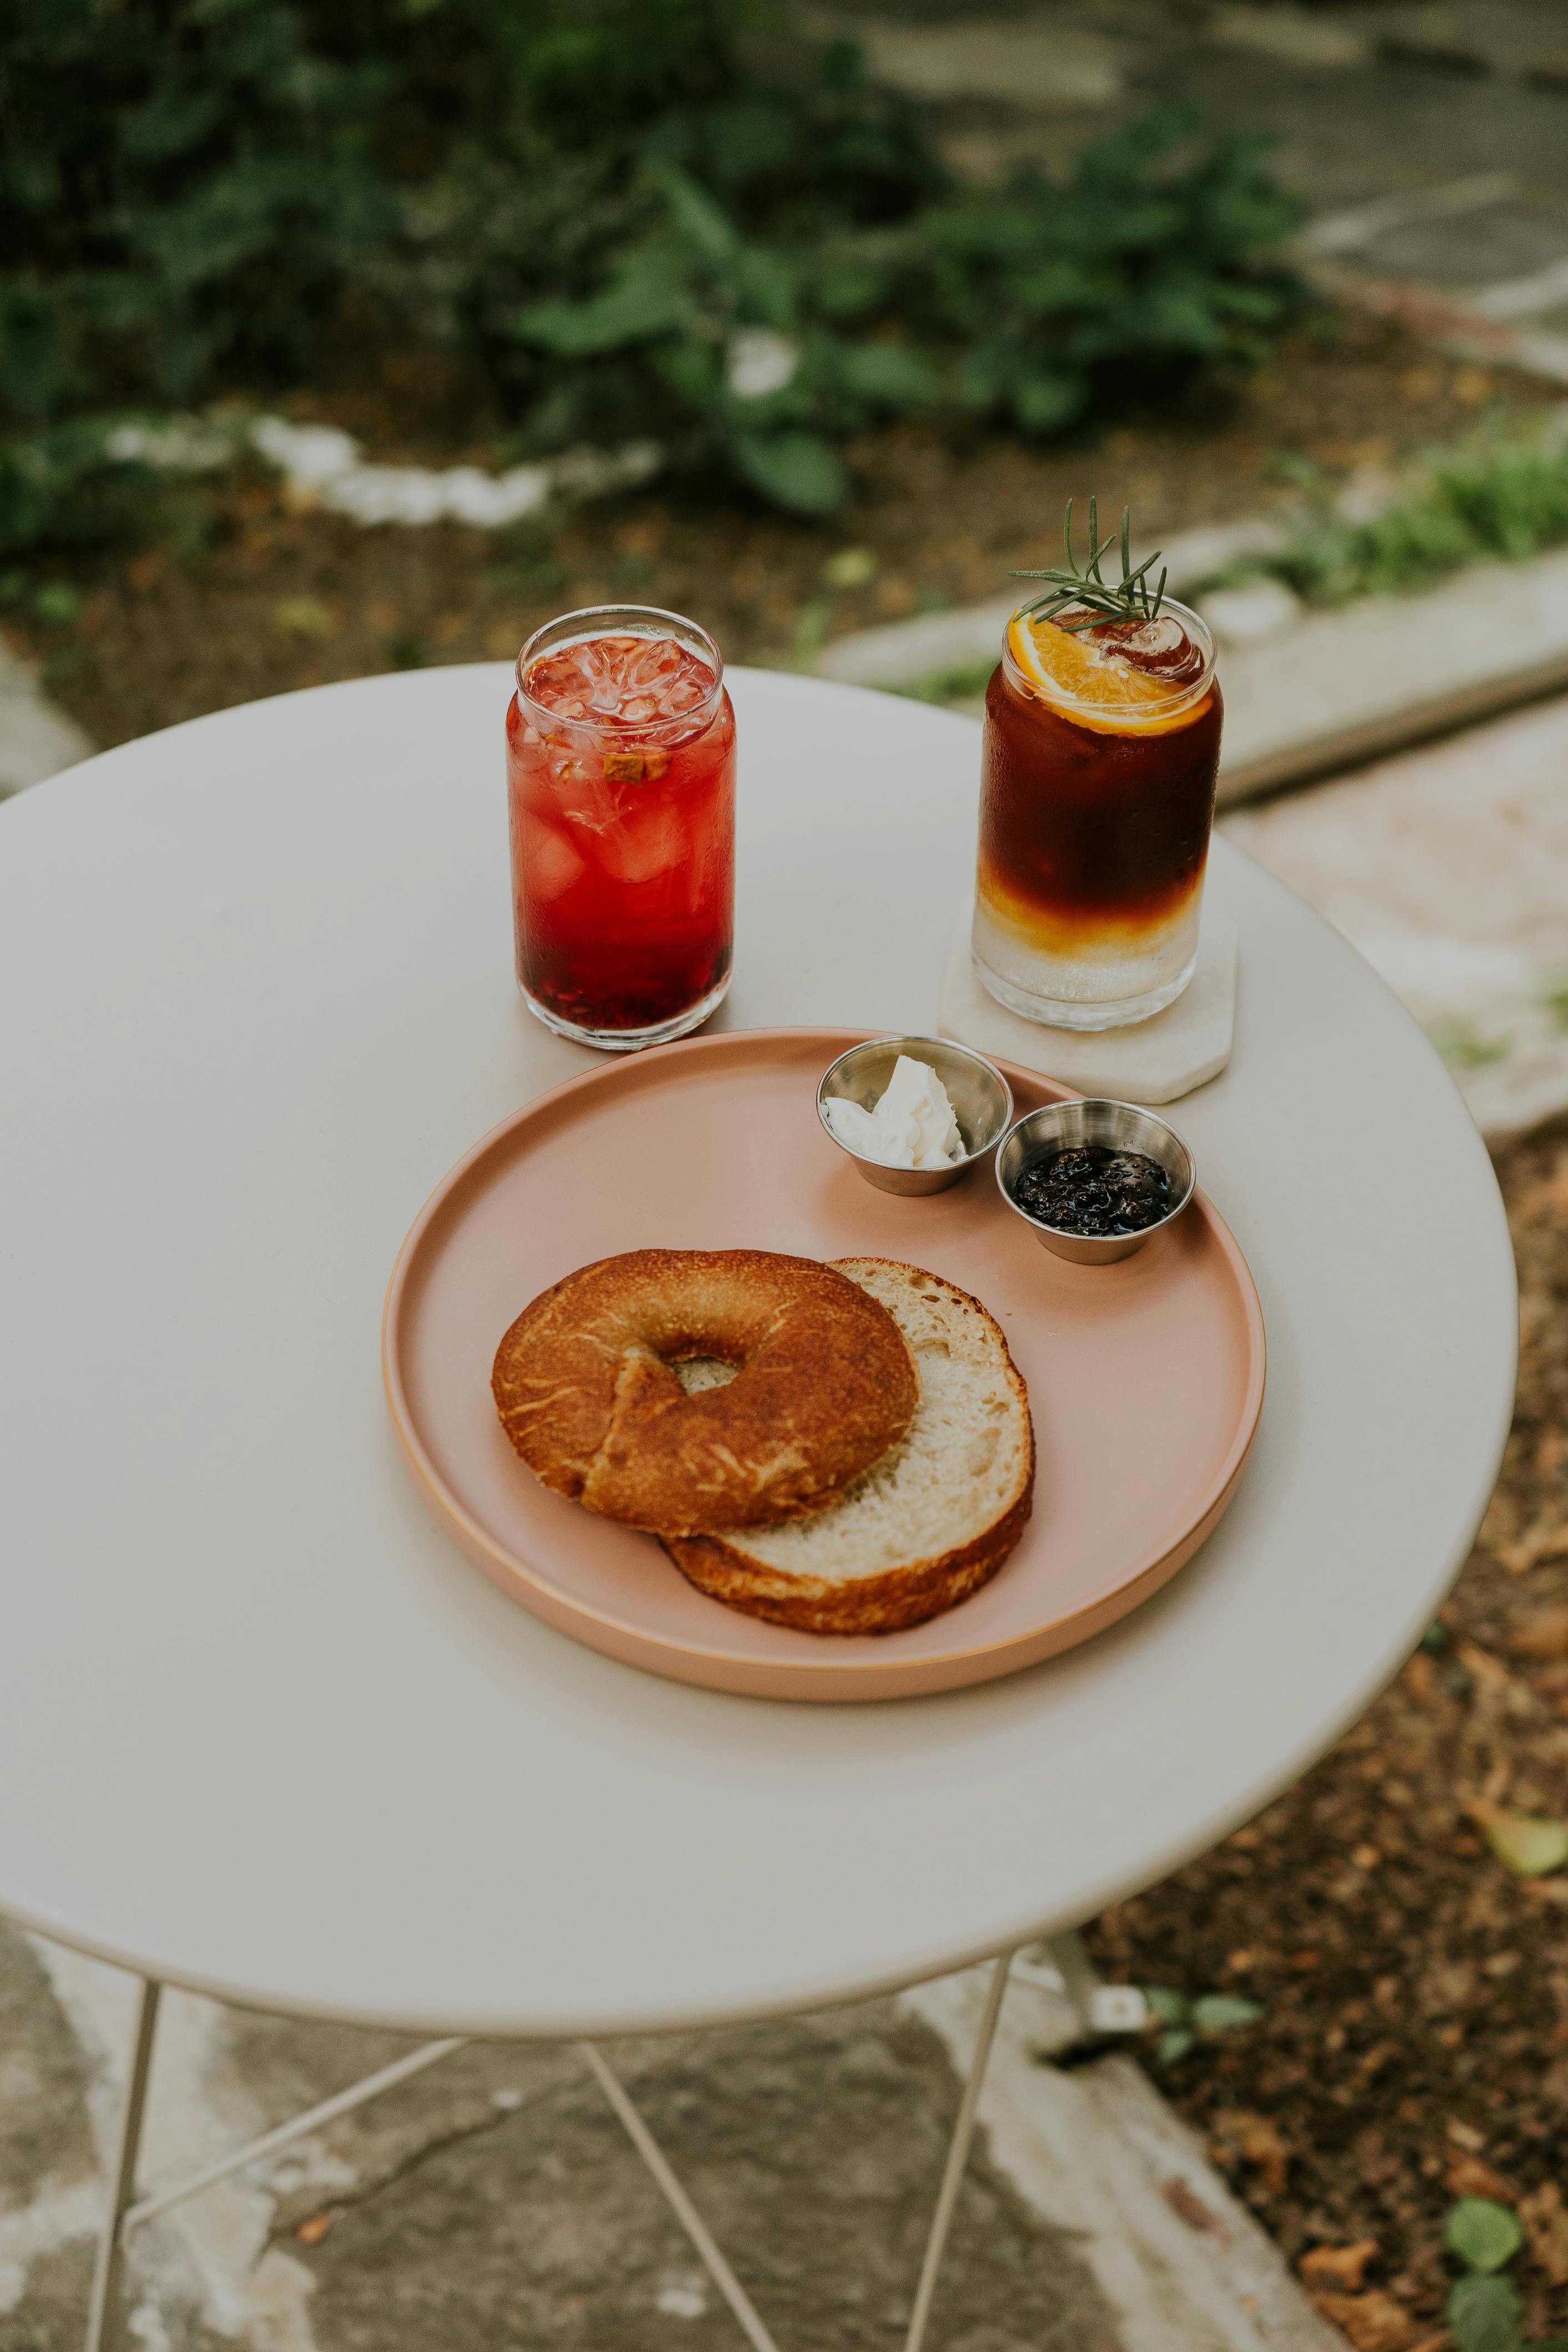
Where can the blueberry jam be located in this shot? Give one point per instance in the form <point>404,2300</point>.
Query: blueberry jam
<point>1095,1190</point>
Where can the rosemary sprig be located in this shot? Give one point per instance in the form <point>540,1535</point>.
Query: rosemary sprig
<point>1127,599</point>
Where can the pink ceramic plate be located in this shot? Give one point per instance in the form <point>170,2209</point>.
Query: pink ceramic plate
<point>1145,1378</point>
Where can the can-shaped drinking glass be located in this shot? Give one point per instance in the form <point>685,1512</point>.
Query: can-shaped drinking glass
<point>1101,746</point>
<point>621,789</point>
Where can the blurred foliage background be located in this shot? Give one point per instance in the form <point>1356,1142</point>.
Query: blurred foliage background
<point>665,219</point>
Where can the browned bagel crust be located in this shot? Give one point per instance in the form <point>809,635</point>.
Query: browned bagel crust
<point>583,1384</point>
<point>870,1604</point>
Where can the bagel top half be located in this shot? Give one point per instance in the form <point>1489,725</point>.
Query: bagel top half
<point>824,1386</point>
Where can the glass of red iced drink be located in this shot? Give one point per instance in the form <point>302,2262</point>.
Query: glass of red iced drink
<point>621,785</point>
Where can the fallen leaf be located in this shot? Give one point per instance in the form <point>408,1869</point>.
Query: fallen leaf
<point>1467,2177</point>
<point>1489,1672</point>
<point>1339,2267</point>
<point>303,616</point>
<point>1421,1678</point>
<point>1530,1845</point>
<point>1465,2136</point>
<point>1547,1539</point>
<point>1543,1634</point>
<point>1191,2207</point>
<point>1240,2132</point>
<point>1546,2218</point>
<point>311,2233</point>
<point>1373,2320</point>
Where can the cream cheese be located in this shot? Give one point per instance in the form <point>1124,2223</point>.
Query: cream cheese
<point>912,1126</point>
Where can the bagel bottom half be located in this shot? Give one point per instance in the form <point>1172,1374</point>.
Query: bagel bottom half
<point>929,1523</point>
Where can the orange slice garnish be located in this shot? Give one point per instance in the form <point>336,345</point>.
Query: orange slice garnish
<point>1088,684</point>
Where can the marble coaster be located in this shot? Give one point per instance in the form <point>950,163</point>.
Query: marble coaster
<point>1151,1061</point>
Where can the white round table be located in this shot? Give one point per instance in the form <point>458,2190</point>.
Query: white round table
<point>264,1733</point>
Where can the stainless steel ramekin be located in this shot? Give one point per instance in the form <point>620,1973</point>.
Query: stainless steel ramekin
<point>1121,1127</point>
<point>981,1099</point>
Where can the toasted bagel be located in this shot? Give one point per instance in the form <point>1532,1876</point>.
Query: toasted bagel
<point>825,1385</point>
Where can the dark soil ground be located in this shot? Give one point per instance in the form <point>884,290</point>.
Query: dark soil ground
<point>1413,2046</point>
<point>241,595</point>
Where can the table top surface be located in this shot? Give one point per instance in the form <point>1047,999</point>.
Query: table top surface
<point>264,1732</point>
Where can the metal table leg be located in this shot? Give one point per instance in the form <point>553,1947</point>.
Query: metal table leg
<point>127,2213</point>
<point>104,2312</point>
<point>957,2155</point>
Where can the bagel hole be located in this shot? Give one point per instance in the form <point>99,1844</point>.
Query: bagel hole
<point>698,1372</point>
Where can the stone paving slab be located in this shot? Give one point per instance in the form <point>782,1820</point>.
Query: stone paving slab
<point>1448,868</point>
<point>1307,693</point>
<point>37,739</point>
<point>1335,688</point>
<point>904,654</point>
<point>1363,98</point>
<point>495,2205</point>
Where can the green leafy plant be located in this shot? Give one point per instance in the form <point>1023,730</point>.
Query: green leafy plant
<point>625,217</point>
<point>1495,498</point>
<point>1143,269</point>
<point>1187,2022</point>
<point>1484,2308</point>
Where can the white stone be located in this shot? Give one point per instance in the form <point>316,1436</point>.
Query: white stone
<point>322,465</point>
<point>589,473</point>
<point>371,494</point>
<point>490,501</point>
<point>759,362</point>
<point>308,456</point>
<point>1154,1060</point>
<point>182,445</point>
<point>681,2302</point>
<point>1117,2008</point>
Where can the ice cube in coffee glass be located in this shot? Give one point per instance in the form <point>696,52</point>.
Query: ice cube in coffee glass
<point>1100,754</point>
<point>621,793</point>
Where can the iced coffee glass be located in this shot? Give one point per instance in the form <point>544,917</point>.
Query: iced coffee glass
<point>621,787</point>
<point>1101,746</point>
